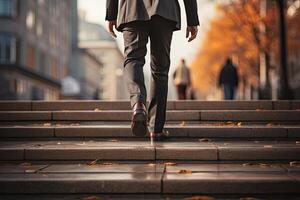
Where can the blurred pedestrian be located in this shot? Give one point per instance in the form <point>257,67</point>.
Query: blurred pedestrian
<point>229,79</point>
<point>182,80</point>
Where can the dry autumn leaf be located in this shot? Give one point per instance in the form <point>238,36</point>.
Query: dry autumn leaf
<point>113,140</point>
<point>47,124</point>
<point>74,124</point>
<point>295,164</point>
<point>248,198</point>
<point>97,109</point>
<point>264,165</point>
<point>183,123</point>
<point>239,124</point>
<point>30,171</point>
<point>268,146</point>
<point>205,140</point>
<point>25,164</point>
<point>92,198</point>
<point>199,198</point>
<point>247,164</point>
<point>94,162</point>
<point>185,171</point>
<point>170,164</point>
<point>107,163</point>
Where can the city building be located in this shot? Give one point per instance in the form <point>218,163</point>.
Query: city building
<point>35,47</point>
<point>96,41</point>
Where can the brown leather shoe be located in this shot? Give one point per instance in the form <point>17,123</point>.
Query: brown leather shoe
<point>139,120</point>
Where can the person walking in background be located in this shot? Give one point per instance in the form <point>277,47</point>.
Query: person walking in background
<point>182,80</point>
<point>140,20</point>
<point>229,79</point>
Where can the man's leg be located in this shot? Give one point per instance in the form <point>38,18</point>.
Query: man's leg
<point>135,42</point>
<point>226,91</point>
<point>161,32</point>
<point>184,89</point>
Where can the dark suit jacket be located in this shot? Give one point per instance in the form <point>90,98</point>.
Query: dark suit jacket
<point>143,10</point>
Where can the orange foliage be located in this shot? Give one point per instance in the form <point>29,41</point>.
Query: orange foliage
<point>235,32</point>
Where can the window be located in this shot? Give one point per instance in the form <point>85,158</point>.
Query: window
<point>54,69</point>
<point>8,47</point>
<point>31,57</point>
<point>30,20</point>
<point>8,8</point>
<point>22,87</point>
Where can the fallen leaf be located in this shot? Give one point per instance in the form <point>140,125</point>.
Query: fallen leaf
<point>269,124</point>
<point>295,164</point>
<point>199,198</point>
<point>29,171</point>
<point>107,163</point>
<point>268,146</point>
<point>264,165</point>
<point>92,198</point>
<point>47,124</point>
<point>205,140</point>
<point>97,109</point>
<point>183,123</point>
<point>239,124</point>
<point>113,140</point>
<point>94,162</point>
<point>170,164</point>
<point>185,171</point>
<point>248,198</point>
<point>229,123</point>
<point>25,164</point>
<point>74,124</point>
<point>247,164</point>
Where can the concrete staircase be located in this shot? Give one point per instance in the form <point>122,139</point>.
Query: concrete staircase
<point>85,150</point>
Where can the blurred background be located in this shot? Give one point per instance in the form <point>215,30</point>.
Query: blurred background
<point>60,49</point>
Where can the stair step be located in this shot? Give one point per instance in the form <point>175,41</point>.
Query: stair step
<point>187,115</point>
<point>149,178</point>
<point>125,105</point>
<point>218,150</point>
<point>115,131</point>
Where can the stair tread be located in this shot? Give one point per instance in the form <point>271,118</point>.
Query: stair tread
<point>151,178</point>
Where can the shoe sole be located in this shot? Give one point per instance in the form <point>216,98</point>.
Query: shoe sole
<point>139,124</point>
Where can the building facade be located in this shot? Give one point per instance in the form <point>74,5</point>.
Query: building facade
<point>35,47</point>
<point>98,42</point>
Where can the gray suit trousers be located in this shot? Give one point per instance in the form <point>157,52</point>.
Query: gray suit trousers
<point>136,35</point>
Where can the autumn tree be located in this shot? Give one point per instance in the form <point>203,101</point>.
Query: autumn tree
<point>236,31</point>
